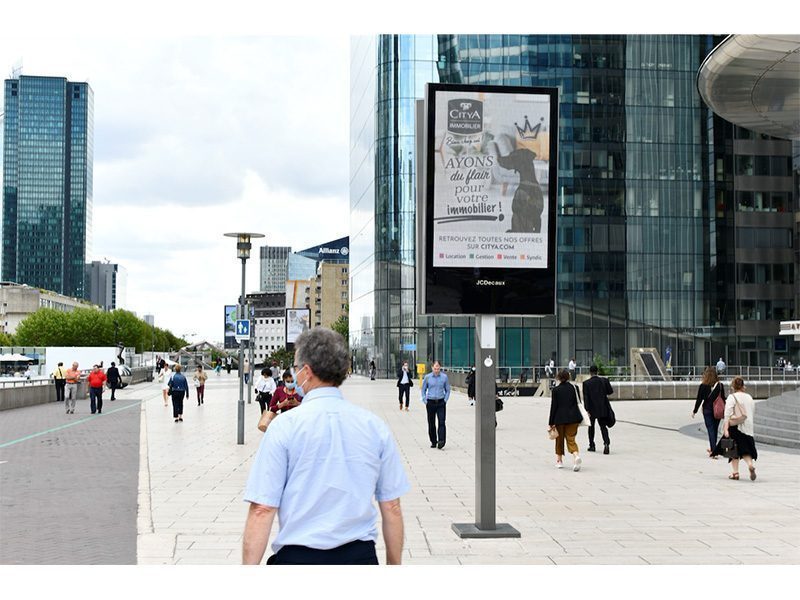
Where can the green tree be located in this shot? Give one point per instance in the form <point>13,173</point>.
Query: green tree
<point>342,327</point>
<point>6,340</point>
<point>282,356</point>
<point>603,367</point>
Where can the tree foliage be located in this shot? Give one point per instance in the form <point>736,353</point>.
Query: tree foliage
<point>342,327</point>
<point>604,367</point>
<point>89,327</point>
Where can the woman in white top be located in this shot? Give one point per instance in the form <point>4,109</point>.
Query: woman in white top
<point>265,387</point>
<point>739,403</point>
<point>163,379</point>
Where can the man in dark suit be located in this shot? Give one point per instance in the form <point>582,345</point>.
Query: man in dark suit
<point>595,397</point>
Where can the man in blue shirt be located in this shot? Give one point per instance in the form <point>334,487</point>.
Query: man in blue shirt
<point>435,393</point>
<point>318,468</point>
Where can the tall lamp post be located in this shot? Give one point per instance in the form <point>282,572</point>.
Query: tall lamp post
<point>243,247</point>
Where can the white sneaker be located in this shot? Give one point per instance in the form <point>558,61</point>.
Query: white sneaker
<point>559,465</point>
<point>577,465</point>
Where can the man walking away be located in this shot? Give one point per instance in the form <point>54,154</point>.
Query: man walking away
<point>96,381</point>
<point>60,377</point>
<point>404,384</point>
<point>595,397</point>
<point>114,379</point>
<point>228,364</point>
<point>435,393</point>
<point>319,468</point>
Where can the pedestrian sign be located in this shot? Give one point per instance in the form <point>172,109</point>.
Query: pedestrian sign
<point>242,329</point>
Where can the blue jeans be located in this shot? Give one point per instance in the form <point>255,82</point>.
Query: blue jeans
<point>96,399</point>
<point>712,427</point>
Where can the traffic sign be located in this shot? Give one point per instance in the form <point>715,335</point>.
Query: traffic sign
<point>242,329</point>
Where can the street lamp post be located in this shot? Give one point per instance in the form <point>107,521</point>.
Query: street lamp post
<point>243,247</point>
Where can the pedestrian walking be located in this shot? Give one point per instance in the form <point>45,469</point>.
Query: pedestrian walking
<point>218,366</point>
<point>163,377</point>
<point>572,367</point>
<point>73,377</point>
<point>265,388</point>
<point>178,390</point>
<point>596,391</point>
<point>372,369</point>
<point>97,380</point>
<point>60,378</point>
<point>319,469</point>
<point>228,364</point>
<point>721,366</point>
<point>275,372</point>
<point>565,416</point>
<point>199,380</point>
<point>470,381</point>
<point>550,369</point>
<point>709,392</point>
<point>114,380</point>
<point>287,396</point>
<point>738,426</point>
<point>246,371</point>
<point>435,394</point>
<point>403,384</point>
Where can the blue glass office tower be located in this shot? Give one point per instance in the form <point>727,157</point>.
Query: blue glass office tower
<point>661,238</point>
<point>47,182</point>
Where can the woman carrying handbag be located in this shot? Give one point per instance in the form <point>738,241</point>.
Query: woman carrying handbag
<point>711,394</point>
<point>738,426</point>
<point>565,416</point>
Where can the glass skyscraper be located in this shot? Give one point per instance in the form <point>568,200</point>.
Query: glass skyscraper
<point>660,236</point>
<point>47,182</point>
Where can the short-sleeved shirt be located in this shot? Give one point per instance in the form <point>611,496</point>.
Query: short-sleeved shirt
<point>321,465</point>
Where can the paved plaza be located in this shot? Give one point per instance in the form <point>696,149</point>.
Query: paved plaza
<point>70,486</point>
<point>656,499</point>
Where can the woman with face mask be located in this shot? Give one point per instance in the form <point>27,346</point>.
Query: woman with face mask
<point>285,397</point>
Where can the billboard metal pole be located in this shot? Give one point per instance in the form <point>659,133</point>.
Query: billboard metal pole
<point>485,525</point>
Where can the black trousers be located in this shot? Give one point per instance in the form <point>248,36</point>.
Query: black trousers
<point>263,400</point>
<point>177,403</point>
<point>60,385</point>
<point>436,412</point>
<point>96,399</point>
<point>352,553</point>
<point>404,388</point>
<point>603,430</point>
<point>114,387</point>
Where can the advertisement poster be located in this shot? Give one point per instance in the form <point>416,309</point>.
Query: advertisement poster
<point>491,169</point>
<point>230,326</point>
<point>297,321</point>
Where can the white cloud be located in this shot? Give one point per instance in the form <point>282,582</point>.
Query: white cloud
<point>195,137</point>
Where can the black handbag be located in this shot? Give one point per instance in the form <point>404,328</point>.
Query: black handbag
<point>498,405</point>
<point>611,419</point>
<point>727,447</point>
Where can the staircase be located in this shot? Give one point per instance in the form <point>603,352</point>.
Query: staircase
<point>777,420</point>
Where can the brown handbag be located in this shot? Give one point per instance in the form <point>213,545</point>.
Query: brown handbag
<point>737,418</point>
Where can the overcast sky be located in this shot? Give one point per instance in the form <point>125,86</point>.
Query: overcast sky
<point>207,121</point>
<point>198,136</point>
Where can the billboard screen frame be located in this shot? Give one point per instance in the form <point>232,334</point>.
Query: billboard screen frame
<point>503,290</point>
<point>229,327</point>
<point>286,321</point>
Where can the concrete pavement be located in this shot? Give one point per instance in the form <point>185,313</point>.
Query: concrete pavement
<point>656,499</point>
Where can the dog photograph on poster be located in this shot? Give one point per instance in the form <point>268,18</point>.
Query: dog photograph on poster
<point>488,194</point>
<point>491,177</point>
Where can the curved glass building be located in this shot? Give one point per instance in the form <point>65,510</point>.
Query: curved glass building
<point>654,246</point>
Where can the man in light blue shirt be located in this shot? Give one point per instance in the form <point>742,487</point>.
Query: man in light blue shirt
<point>319,466</point>
<point>435,393</point>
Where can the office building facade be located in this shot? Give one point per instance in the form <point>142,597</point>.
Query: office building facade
<point>274,268</point>
<point>269,324</point>
<point>652,239</point>
<point>47,182</point>
<point>106,284</point>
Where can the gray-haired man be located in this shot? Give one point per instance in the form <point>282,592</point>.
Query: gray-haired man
<point>319,467</point>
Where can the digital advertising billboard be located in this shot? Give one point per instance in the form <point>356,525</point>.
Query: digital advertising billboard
<point>487,201</point>
<point>230,327</point>
<point>297,321</point>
